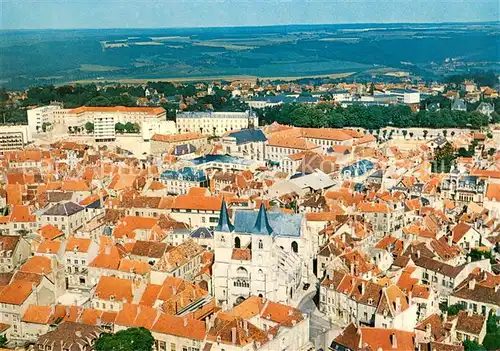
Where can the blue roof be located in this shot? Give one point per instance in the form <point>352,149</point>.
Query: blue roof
<point>184,149</point>
<point>221,159</point>
<point>248,135</point>
<point>262,225</point>
<point>358,169</point>
<point>224,224</point>
<point>187,173</point>
<point>282,224</point>
<point>201,232</point>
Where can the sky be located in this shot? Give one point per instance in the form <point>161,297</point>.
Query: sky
<point>65,14</point>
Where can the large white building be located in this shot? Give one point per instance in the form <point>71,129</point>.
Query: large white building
<point>262,254</point>
<point>14,137</point>
<point>149,119</point>
<point>41,115</point>
<point>216,123</point>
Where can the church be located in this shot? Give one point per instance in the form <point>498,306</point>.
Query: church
<point>262,253</point>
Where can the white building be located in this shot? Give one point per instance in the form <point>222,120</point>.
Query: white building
<point>149,119</point>
<point>14,137</point>
<point>216,123</point>
<point>41,115</point>
<point>262,254</point>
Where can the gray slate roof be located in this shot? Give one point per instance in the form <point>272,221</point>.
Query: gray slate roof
<point>64,209</point>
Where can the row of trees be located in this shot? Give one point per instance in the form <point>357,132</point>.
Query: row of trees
<point>127,128</point>
<point>372,117</point>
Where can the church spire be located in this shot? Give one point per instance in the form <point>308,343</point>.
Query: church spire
<point>224,224</point>
<point>262,223</point>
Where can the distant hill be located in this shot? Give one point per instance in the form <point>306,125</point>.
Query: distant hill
<point>33,57</point>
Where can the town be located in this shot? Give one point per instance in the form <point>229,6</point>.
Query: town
<point>251,215</point>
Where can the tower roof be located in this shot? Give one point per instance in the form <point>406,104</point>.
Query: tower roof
<point>262,225</point>
<point>224,224</point>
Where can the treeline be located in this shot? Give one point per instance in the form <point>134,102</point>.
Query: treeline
<point>372,117</point>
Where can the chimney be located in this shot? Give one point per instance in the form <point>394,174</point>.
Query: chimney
<point>410,298</point>
<point>233,335</point>
<point>468,259</point>
<point>362,288</point>
<point>107,250</point>
<point>472,284</point>
<point>428,330</point>
<point>450,239</point>
<point>398,304</point>
<point>469,313</point>
<point>99,321</point>
<point>394,341</point>
<point>352,268</point>
<point>245,326</point>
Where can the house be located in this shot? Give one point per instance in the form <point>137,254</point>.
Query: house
<point>245,143</point>
<point>67,217</point>
<point>69,336</point>
<point>459,105</point>
<point>465,236</point>
<point>78,254</point>
<point>13,251</point>
<point>485,108</point>
<point>366,338</point>
<point>469,326</point>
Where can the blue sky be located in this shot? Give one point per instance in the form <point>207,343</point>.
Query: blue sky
<point>37,14</point>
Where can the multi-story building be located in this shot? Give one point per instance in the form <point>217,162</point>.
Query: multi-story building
<point>215,123</point>
<point>67,217</point>
<point>78,254</point>
<point>14,137</point>
<point>246,143</point>
<point>180,181</point>
<point>166,143</point>
<point>39,116</point>
<point>105,118</point>
<point>463,188</point>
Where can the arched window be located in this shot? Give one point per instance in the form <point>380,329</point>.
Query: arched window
<point>295,247</point>
<point>237,242</point>
<point>261,244</point>
<point>222,239</point>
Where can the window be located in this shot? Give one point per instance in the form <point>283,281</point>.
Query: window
<point>237,243</point>
<point>261,244</point>
<point>172,346</point>
<point>295,247</point>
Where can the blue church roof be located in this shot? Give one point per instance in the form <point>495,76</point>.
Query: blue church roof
<point>282,224</point>
<point>187,173</point>
<point>184,149</point>
<point>248,135</point>
<point>224,224</point>
<point>358,169</point>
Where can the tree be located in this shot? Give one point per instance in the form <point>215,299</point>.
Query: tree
<point>452,133</point>
<point>119,128</point>
<point>443,159</point>
<point>411,135</point>
<point>89,127</point>
<point>492,339</point>
<point>3,340</point>
<point>470,345</point>
<point>129,127</point>
<point>132,339</point>
<point>425,133</point>
<point>454,309</point>
<point>404,133</point>
<point>45,126</point>
<point>445,132</point>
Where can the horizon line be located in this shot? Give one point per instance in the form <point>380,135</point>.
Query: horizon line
<point>255,26</point>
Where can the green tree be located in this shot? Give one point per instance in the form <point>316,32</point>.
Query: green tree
<point>492,339</point>
<point>129,127</point>
<point>425,133</point>
<point>445,133</point>
<point>443,159</point>
<point>120,128</point>
<point>132,339</point>
<point>470,345</point>
<point>89,127</point>
<point>3,341</point>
